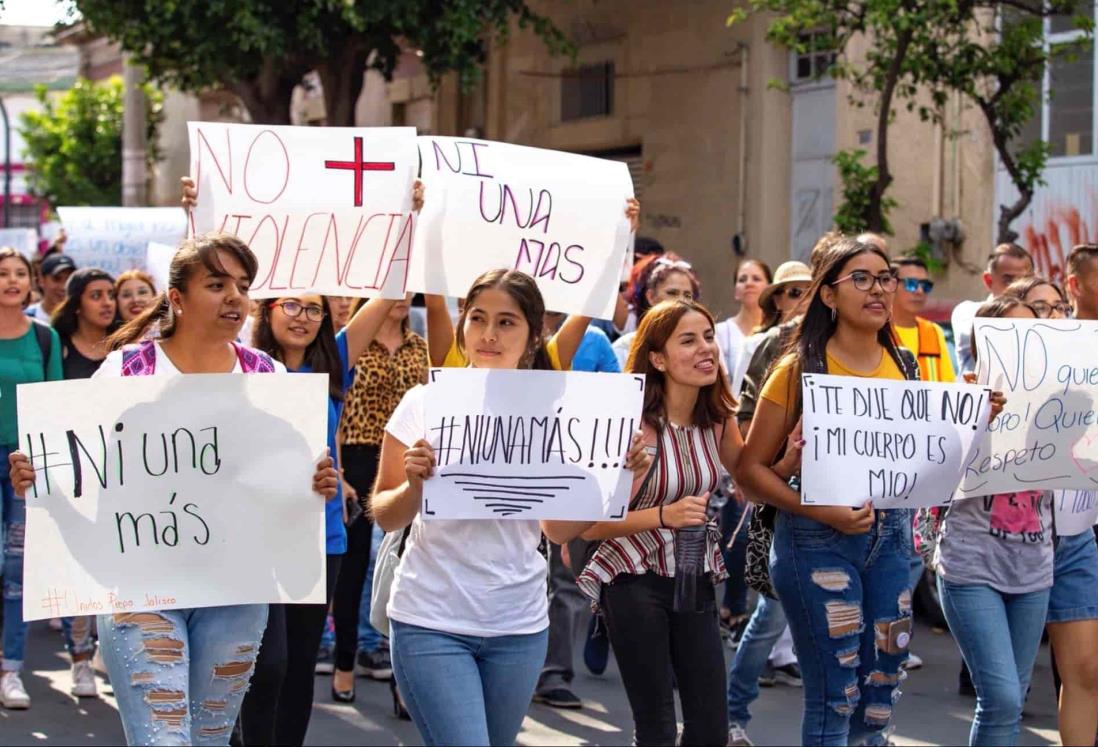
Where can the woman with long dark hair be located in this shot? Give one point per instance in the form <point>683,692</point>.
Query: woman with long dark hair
<point>84,320</point>
<point>842,574</point>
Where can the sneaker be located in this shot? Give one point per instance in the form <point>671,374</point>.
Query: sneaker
<point>12,693</point>
<point>913,661</point>
<point>376,664</point>
<point>83,680</point>
<point>767,678</point>
<point>560,697</point>
<point>325,663</point>
<point>596,651</point>
<point>788,675</point>
<point>737,736</point>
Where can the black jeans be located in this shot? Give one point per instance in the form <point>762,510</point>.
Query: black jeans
<point>278,705</point>
<point>734,549</point>
<point>360,469</point>
<point>651,641</point>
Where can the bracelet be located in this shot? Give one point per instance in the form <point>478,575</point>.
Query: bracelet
<point>662,525</point>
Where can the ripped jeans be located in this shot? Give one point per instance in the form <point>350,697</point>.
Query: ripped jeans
<point>830,584</point>
<point>180,675</point>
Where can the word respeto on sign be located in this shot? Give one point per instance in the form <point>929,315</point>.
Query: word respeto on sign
<point>326,210</point>
<point>149,489</point>
<point>502,453</point>
<point>900,444</point>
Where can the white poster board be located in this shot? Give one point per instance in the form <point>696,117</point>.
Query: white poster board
<point>114,239</point>
<point>158,262</point>
<point>1047,435</point>
<point>1076,511</point>
<point>165,492</point>
<point>559,217</point>
<point>899,444</point>
<point>325,209</point>
<point>530,444</point>
<point>23,239</point>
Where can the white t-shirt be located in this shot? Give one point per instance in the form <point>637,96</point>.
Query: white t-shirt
<point>964,314</point>
<point>35,311</point>
<point>731,342</point>
<point>622,346</point>
<point>479,578</point>
<point>112,365</point>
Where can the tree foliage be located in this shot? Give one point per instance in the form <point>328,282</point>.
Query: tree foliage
<point>74,143</point>
<point>260,49</point>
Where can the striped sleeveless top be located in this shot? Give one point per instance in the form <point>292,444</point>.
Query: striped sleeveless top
<point>688,464</point>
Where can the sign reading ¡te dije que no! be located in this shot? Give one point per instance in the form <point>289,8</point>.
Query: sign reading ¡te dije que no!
<point>899,444</point>
<point>115,239</point>
<point>166,492</point>
<point>530,444</point>
<point>325,209</point>
<point>559,217</point>
<point>1047,434</point>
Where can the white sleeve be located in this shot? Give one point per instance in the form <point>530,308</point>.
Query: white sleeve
<point>111,366</point>
<point>409,422</point>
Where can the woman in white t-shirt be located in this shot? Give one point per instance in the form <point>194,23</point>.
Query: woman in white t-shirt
<point>151,656</point>
<point>752,276</point>
<point>468,609</point>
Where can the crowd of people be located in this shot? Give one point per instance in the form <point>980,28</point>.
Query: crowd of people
<point>483,617</point>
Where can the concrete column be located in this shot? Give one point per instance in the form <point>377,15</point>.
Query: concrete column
<point>134,176</point>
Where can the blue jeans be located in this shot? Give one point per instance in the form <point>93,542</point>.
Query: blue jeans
<point>466,690</point>
<point>735,514</point>
<point>763,630</point>
<point>180,675</point>
<point>831,585</point>
<point>78,635</point>
<point>998,635</point>
<point>368,638</point>
<point>14,526</point>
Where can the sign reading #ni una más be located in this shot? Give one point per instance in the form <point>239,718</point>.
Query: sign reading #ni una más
<point>165,492</point>
<point>325,209</point>
<point>559,217</point>
<point>899,444</point>
<point>1047,435</point>
<point>530,444</point>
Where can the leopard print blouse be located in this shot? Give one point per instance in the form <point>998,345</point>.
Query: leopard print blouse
<point>380,382</point>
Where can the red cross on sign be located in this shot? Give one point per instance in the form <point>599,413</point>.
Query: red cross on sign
<point>358,166</point>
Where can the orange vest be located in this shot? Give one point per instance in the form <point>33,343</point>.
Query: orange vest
<point>930,351</point>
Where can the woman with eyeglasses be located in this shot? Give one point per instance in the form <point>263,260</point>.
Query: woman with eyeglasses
<point>670,279</point>
<point>1045,297</point>
<point>921,336</point>
<point>134,290</point>
<point>842,573</point>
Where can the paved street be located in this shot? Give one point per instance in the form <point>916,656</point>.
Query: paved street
<point>930,711</point>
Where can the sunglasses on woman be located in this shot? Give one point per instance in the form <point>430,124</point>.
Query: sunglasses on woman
<point>793,293</point>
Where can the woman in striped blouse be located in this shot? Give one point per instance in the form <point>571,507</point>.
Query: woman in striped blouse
<point>653,574</point>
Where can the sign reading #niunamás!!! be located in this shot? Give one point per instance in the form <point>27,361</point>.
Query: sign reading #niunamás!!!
<point>1047,435</point>
<point>325,209</point>
<point>559,217</point>
<point>167,492</point>
<point>899,444</point>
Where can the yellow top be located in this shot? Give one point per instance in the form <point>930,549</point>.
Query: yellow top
<point>777,389</point>
<point>940,368</point>
<point>454,358</point>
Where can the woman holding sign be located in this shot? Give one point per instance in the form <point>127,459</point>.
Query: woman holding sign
<point>150,656</point>
<point>468,610</point>
<point>842,573</point>
<point>29,352</point>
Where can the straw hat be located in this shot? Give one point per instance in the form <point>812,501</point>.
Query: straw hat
<point>787,273</point>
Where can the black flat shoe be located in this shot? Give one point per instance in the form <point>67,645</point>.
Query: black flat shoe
<point>343,696</point>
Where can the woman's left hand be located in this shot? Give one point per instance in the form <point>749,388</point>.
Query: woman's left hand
<point>632,212</point>
<point>326,478</point>
<point>637,459</point>
<point>790,463</point>
<point>417,195</point>
<point>998,399</point>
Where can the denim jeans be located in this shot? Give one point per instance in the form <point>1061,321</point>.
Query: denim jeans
<point>735,514</point>
<point>763,630</point>
<point>78,635</point>
<point>368,637</point>
<point>14,526</point>
<point>568,608</point>
<point>848,602</point>
<point>999,636</point>
<point>180,675</point>
<point>466,690</point>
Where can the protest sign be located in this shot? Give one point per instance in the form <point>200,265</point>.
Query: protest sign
<point>1076,511</point>
<point>158,262</point>
<point>325,209</point>
<point>530,444</point>
<point>114,239</point>
<point>1047,435</point>
<point>23,239</point>
<point>166,492</point>
<point>900,444</point>
<point>560,217</point>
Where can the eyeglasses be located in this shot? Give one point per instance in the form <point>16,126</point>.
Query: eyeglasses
<point>1044,310</point>
<point>864,281</point>
<point>793,293</point>
<point>293,309</point>
<point>911,285</point>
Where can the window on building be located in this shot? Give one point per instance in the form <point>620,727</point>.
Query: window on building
<point>815,58</point>
<point>587,91</point>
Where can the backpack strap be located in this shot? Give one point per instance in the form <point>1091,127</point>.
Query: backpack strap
<point>45,344</point>
<point>909,367</point>
<point>253,361</point>
<point>139,359</point>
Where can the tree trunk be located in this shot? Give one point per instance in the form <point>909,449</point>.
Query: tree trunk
<point>1007,213</point>
<point>342,76</point>
<point>267,95</point>
<point>875,218</point>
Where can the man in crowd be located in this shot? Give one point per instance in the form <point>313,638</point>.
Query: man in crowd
<point>55,272</point>
<point>1082,280</point>
<point>1007,263</point>
<point>921,336</point>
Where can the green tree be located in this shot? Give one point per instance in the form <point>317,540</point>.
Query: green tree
<point>260,49</point>
<point>74,143</point>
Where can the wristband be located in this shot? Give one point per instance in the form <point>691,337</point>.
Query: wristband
<point>662,525</point>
